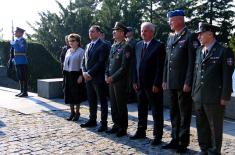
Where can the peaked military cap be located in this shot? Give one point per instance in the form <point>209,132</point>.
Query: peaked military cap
<point>19,29</point>
<point>175,13</point>
<point>120,26</point>
<point>203,27</point>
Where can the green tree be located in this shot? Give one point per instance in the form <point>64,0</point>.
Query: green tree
<point>216,12</point>
<point>52,27</point>
<point>160,10</point>
<point>232,43</point>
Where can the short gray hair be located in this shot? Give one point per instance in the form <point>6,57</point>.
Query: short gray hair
<point>151,26</point>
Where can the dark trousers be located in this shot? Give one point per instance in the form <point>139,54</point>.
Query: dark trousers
<point>209,121</point>
<point>180,114</point>
<point>22,76</point>
<point>156,101</point>
<point>97,91</point>
<point>118,99</point>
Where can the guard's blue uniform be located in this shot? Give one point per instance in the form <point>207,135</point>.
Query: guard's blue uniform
<point>20,46</point>
<point>21,63</point>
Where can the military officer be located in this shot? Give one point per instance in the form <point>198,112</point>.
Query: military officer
<point>177,78</point>
<point>117,71</point>
<point>212,87</point>
<point>20,61</point>
<point>132,42</point>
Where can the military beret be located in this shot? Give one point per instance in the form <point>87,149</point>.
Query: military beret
<point>175,13</point>
<point>18,29</point>
<point>203,27</point>
<point>120,26</point>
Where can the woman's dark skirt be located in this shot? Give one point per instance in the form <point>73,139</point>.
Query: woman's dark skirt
<point>74,93</point>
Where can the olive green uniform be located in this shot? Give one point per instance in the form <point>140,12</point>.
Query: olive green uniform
<point>212,82</point>
<point>118,67</point>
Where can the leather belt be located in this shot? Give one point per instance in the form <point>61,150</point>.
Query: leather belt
<point>19,53</point>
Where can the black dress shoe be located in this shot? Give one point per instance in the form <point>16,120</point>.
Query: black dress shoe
<point>140,134</point>
<point>181,149</point>
<point>23,95</point>
<point>102,128</point>
<point>113,130</point>
<point>89,123</point>
<point>71,117</point>
<point>172,145</point>
<point>18,94</point>
<point>156,141</point>
<point>121,132</point>
<point>76,117</point>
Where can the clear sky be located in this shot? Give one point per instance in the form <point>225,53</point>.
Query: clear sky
<point>21,11</point>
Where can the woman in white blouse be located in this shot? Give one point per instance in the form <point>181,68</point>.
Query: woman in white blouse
<point>73,80</point>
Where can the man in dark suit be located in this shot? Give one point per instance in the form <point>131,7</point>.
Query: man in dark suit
<point>96,54</point>
<point>147,82</point>
<point>177,78</point>
<point>212,87</point>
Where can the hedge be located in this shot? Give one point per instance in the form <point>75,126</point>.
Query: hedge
<point>41,63</point>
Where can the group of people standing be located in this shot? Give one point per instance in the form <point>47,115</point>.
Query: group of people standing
<point>192,67</point>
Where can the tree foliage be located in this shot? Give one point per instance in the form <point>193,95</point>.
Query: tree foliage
<point>79,15</point>
<point>216,12</point>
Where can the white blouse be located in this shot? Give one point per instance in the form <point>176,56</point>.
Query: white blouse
<point>73,60</point>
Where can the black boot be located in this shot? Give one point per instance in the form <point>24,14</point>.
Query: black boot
<point>140,134</point>
<point>24,89</point>
<point>72,113</point>
<point>21,88</point>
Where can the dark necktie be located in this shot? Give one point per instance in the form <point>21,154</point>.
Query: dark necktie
<point>205,53</point>
<point>90,48</point>
<point>176,36</point>
<point>144,49</point>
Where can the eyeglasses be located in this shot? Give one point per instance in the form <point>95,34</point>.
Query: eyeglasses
<point>72,40</point>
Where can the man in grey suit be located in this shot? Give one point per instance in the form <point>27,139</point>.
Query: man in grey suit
<point>147,82</point>
<point>178,76</point>
<point>212,87</point>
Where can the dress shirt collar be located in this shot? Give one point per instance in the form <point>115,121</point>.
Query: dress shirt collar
<point>148,42</point>
<point>94,41</point>
<point>209,47</point>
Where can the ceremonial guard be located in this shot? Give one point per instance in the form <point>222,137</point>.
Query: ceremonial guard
<point>19,59</point>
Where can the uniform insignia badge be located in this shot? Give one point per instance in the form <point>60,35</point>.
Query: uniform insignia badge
<point>181,43</point>
<point>195,44</point>
<point>230,61</point>
<point>214,58</point>
<point>119,50</point>
<point>127,54</point>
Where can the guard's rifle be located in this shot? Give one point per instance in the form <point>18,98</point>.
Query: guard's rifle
<point>10,63</point>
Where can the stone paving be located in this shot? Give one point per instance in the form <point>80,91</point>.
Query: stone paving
<point>49,133</point>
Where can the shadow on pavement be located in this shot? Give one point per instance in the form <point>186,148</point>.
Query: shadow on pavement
<point>2,124</point>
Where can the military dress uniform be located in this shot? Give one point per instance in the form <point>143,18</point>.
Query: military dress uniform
<point>118,68</point>
<point>212,82</point>
<point>178,71</point>
<point>21,62</point>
